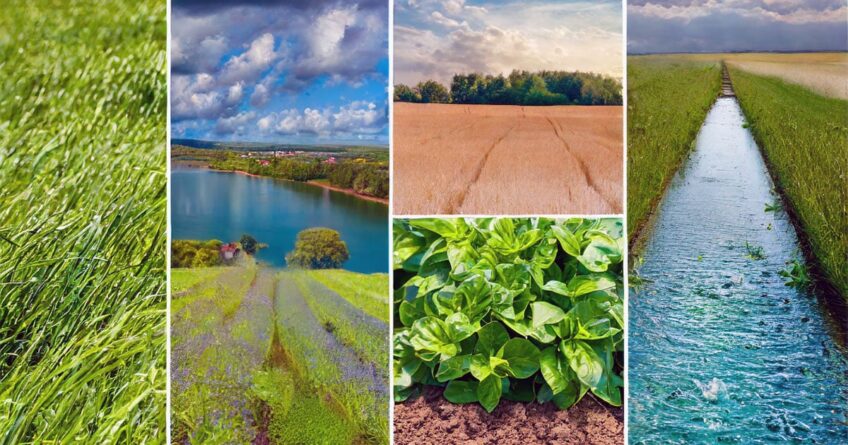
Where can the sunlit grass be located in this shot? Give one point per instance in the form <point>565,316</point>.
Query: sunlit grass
<point>668,98</point>
<point>367,292</point>
<point>82,221</point>
<point>804,138</point>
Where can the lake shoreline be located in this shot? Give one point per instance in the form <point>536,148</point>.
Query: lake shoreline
<point>350,192</point>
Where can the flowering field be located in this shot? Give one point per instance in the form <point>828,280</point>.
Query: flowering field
<point>261,356</point>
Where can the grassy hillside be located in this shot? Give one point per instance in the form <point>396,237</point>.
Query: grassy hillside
<point>668,98</point>
<point>82,221</point>
<point>804,138</point>
<point>265,355</point>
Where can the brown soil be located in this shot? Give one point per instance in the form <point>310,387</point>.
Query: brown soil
<point>433,420</point>
<point>489,159</point>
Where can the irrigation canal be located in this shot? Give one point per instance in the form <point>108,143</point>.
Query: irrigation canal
<point>720,349</point>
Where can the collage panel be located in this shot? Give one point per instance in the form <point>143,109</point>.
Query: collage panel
<point>504,107</point>
<point>83,88</point>
<point>508,330</point>
<point>279,223</point>
<point>737,320</point>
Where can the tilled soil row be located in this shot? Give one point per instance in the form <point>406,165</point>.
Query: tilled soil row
<point>430,419</point>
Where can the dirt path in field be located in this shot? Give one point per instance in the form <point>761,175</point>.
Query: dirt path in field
<point>463,159</point>
<point>431,419</point>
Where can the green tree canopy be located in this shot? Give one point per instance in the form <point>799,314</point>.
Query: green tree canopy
<point>404,93</point>
<point>248,243</point>
<point>318,248</point>
<point>433,92</point>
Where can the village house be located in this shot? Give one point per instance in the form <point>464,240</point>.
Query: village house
<point>228,252</point>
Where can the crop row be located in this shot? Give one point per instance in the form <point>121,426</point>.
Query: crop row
<point>332,369</point>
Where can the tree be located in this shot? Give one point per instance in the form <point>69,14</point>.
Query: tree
<point>248,244</point>
<point>318,248</point>
<point>433,92</point>
<point>403,93</point>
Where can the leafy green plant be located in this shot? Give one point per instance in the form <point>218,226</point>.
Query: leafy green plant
<point>502,308</point>
<point>796,274</point>
<point>754,252</point>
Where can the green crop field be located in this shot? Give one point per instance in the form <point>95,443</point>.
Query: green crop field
<point>804,138</point>
<point>82,221</point>
<point>265,356</point>
<point>668,98</point>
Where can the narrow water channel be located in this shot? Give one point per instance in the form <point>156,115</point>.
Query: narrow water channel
<point>720,349</point>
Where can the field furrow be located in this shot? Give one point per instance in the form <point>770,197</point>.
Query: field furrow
<point>362,333</point>
<point>507,159</point>
<point>355,389</point>
<point>219,342</point>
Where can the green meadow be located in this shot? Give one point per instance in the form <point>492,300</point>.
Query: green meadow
<point>82,221</point>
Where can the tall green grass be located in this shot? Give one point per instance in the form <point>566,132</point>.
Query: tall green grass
<point>804,137</point>
<point>668,98</point>
<point>367,292</point>
<point>82,221</point>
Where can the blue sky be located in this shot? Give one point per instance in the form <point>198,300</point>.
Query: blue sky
<point>283,71</point>
<point>434,39</point>
<point>655,26</point>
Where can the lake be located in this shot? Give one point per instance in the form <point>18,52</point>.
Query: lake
<point>207,204</point>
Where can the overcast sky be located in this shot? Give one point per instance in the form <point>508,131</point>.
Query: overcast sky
<point>736,25</point>
<point>434,39</point>
<point>299,71</point>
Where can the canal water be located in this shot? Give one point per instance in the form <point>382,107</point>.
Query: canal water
<point>720,350</point>
<point>207,204</point>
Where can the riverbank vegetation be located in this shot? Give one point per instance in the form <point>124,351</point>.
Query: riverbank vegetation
<point>804,137</point>
<point>363,170</point>
<point>518,88</point>
<point>668,98</point>
<point>82,222</point>
<point>522,309</point>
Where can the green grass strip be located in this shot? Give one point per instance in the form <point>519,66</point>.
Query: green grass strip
<point>367,292</point>
<point>82,221</point>
<point>804,137</point>
<point>668,98</point>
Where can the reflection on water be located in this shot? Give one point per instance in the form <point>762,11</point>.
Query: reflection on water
<point>720,350</point>
<point>216,205</point>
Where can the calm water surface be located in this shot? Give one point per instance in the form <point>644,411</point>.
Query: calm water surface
<point>720,351</point>
<point>215,205</point>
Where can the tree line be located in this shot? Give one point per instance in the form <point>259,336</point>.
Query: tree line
<point>367,178</point>
<point>518,88</point>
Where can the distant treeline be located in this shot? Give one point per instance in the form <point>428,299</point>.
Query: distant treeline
<point>519,88</point>
<point>366,178</point>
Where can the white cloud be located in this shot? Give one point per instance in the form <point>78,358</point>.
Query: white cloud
<point>356,118</point>
<point>250,65</point>
<point>235,124</point>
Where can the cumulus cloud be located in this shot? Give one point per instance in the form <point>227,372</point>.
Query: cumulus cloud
<point>737,25</point>
<point>358,117</point>
<point>235,124</point>
<point>266,67</point>
<point>250,65</point>
<point>454,37</point>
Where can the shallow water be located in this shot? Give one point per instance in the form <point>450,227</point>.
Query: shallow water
<point>720,350</point>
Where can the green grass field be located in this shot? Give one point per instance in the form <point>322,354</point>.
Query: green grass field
<point>82,221</point>
<point>804,138</point>
<point>668,98</point>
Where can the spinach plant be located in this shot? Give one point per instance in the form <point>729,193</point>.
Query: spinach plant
<point>509,308</point>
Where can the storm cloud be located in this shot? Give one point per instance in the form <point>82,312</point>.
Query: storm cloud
<point>736,25</point>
